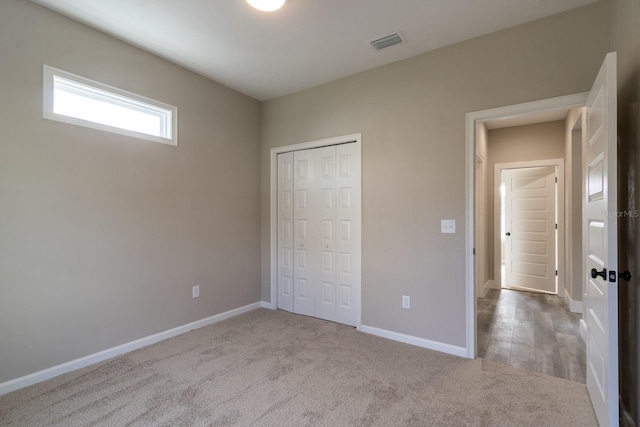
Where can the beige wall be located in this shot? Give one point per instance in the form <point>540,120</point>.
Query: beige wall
<point>102,236</point>
<point>575,123</point>
<point>625,37</point>
<point>481,244</point>
<point>412,118</point>
<point>518,144</point>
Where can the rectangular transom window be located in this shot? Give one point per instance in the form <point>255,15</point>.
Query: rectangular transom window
<point>76,100</point>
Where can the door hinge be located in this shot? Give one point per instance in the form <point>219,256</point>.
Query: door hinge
<point>474,251</point>
<point>556,226</point>
<point>556,272</point>
<point>556,179</point>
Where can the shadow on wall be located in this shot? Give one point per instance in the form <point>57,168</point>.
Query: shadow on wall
<point>629,236</point>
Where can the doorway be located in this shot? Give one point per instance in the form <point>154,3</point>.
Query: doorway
<point>523,324</point>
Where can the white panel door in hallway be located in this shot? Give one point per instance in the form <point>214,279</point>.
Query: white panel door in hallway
<point>324,246</point>
<point>530,229</point>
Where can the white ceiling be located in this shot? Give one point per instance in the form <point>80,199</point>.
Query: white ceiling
<point>306,43</point>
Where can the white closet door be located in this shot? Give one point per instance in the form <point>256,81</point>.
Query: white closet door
<point>304,233</point>
<point>323,202</point>
<point>319,233</point>
<point>285,231</point>
<point>348,233</point>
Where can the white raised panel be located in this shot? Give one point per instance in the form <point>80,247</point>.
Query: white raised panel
<point>303,288</point>
<point>286,258</point>
<point>532,269</point>
<point>595,245</point>
<point>595,293</point>
<point>595,118</point>
<point>327,292</point>
<point>597,366</point>
<point>301,258</point>
<point>345,198</point>
<point>327,167</point>
<point>531,247</point>
<point>286,200</point>
<point>530,204</point>
<point>302,229</point>
<point>302,199</point>
<point>345,166</point>
<point>345,297</point>
<point>595,179</point>
<point>327,198</point>
<point>286,229</point>
<point>327,261</point>
<point>327,230</point>
<point>345,263</point>
<point>303,170</point>
<point>287,286</point>
<point>529,183</point>
<point>345,230</point>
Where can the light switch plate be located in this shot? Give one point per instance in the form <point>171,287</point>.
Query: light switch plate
<point>448,226</point>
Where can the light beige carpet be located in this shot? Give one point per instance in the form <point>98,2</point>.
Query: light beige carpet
<point>271,368</point>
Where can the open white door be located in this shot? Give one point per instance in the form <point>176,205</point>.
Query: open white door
<point>601,239</point>
<point>530,229</point>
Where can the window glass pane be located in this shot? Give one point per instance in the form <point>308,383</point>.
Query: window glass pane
<point>98,111</point>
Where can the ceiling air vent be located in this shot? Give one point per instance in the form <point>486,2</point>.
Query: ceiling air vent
<point>387,41</point>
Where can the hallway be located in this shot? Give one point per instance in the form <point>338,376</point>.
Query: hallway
<point>531,331</point>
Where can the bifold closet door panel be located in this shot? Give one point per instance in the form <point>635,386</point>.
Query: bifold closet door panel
<point>324,246</point>
<point>347,234</point>
<point>304,216</point>
<point>285,231</point>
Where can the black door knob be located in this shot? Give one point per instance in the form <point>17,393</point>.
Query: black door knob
<point>625,275</point>
<point>595,273</point>
<point>507,234</point>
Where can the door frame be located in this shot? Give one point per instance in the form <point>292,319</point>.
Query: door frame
<point>551,104</point>
<point>560,255</point>
<point>355,138</point>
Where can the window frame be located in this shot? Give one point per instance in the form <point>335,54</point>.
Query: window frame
<point>92,89</point>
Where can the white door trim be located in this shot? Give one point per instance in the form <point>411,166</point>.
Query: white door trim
<point>273,236</point>
<point>562,102</point>
<point>497,169</point>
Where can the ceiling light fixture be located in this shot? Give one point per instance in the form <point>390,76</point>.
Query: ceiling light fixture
<point>266,5</point>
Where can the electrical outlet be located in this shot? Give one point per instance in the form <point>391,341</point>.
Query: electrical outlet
<point>448,226</point>
<point>195,292</point>
<point>406,301</point>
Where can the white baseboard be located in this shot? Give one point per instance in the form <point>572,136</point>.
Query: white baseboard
<point>574,306</point>
<point>491,284</point>
<point>583,330</point>
<point>36,377</point>
<point>420,342</point>
<point>267,305</point>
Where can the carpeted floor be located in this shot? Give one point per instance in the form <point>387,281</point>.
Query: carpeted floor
<point>271,368</point>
